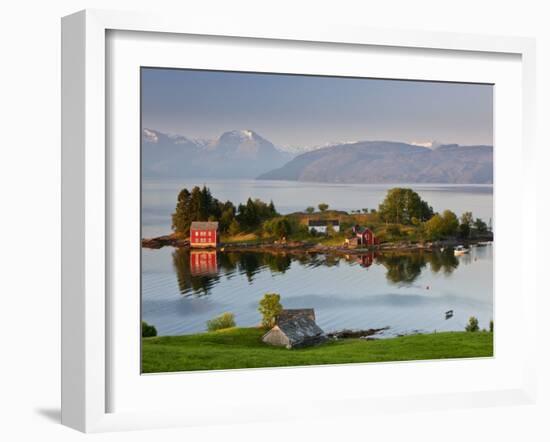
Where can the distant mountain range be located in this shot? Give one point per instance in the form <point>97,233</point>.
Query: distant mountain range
<point>376,162</point>
<point>245,154</point>
<point>235,154</point>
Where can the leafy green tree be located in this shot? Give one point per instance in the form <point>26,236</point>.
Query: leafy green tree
<point>181,218</point>
<point>234,227</point>
<point>491,325</point>
<point>270,307</point>
<point>254,212</point>
<point>279,227</point>
<point>365,210</point>
<point>440,226</point>
<point>227,216</point>
<point>480,226</point>
<point>310,209</point>
<point>433,228</point>
<point>450,223</point>
<point>465,226</point>
<point>401,205</point>
<point>271,208</point>
<point>200,205</point>
<point>323,207</point>
<point>473,324</point>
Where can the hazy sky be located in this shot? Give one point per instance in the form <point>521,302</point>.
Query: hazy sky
<point>293,110</point>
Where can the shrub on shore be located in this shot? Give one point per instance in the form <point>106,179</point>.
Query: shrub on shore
<point>147,331</point>
<point>225,320</point>
<point>473,324</point>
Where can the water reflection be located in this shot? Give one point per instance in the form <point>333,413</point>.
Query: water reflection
<point>199,271</point>
<point>405,268</point>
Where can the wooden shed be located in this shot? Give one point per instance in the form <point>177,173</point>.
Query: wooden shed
<point>362,236</point>
<point>295,330</point>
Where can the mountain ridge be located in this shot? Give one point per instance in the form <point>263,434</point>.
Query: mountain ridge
<point>245,154</point>
<point>382,162</point>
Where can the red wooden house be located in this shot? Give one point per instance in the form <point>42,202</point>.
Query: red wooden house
<point>365,236</point>
<point>204,234</point>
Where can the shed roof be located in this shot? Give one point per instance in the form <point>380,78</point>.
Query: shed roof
<point>323,222</point>
<point>300,329</point>
<point>292,313</point>
<point>204,225</point>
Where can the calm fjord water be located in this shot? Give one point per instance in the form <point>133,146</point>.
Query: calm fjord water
<point>407,292</point>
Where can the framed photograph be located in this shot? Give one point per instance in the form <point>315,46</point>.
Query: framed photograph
<point>251,210</point>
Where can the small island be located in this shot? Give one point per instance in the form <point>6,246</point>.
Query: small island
<point>403,221</point>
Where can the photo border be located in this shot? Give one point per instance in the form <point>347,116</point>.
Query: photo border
<point>85,199</point>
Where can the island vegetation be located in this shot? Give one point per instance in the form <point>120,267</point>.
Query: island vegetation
<point>401,218</point>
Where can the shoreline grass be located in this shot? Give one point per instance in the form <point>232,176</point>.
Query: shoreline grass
<point>242,348</point>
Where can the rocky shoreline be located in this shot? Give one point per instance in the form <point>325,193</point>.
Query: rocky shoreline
<point>361,334</point>
<point>303,247</point>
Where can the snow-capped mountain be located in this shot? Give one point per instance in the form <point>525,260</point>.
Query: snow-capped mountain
<point>235,154</point>
<point>298,150</point>
<point>429,144</point>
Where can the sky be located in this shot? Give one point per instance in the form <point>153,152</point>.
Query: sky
<point>300,111</point>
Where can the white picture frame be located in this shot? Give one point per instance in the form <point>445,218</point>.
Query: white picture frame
<point>87,207</point>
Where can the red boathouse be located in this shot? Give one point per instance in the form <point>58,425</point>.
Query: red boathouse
<point>204,234</point>
<point>365,236</point>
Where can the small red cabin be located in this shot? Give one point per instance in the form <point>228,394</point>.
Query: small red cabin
<point>365,236</point>
<point>204,234</point>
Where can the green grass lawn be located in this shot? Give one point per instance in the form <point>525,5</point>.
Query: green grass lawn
<point>243,348</point>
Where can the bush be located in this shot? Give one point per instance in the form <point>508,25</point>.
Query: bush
<point>225,320</point>
<point>279,227</point>
<point>473,324</point>
<point>270,307</point>
<point>147,331</point>
<point>393,231</point>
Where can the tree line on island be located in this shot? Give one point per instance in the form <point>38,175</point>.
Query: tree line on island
<point>402,215</point>
<point>199,205</point>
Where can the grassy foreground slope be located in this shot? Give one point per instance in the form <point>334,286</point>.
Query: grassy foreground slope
<point>242,348</point>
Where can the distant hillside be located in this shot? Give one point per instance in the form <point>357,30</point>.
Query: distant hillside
<point>374,162</point>
<point>235,154</point>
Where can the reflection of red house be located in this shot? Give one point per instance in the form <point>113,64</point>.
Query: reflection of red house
<point>203,262</point>
<point>204,234</point>
<point>365,236</point>
<point>366,260</point>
